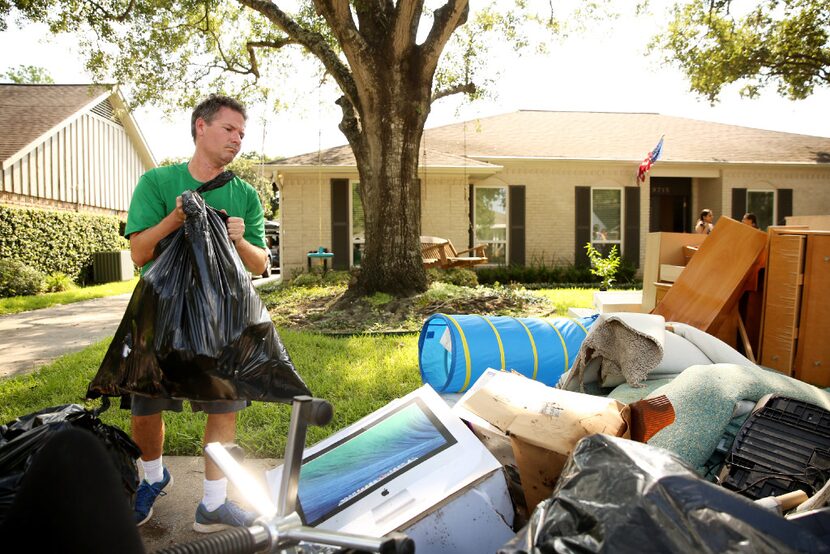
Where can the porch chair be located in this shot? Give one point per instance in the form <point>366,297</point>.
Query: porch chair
<point>440,252</point>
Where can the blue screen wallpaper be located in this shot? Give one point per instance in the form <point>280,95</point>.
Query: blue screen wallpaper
<point>339,476</point>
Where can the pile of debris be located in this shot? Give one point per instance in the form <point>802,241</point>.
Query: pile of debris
<point>667,433</point>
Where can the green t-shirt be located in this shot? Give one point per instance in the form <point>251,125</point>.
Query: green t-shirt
<point>155,197</point>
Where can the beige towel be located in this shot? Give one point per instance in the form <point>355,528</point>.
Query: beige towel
<point>621,347</point>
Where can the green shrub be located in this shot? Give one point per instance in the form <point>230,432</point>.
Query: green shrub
<point>58,282</point>
<point>307,280</point>
<point>462,277</point>
<point>337,278</point>
<point>18,279</point>
<point>604,267</point>
<point>455,276</point>
<point>536,273</point>
<point>57,241</point>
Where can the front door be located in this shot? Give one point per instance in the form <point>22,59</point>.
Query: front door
<point>670,204</point>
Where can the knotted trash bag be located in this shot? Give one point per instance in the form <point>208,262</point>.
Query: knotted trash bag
<point>195,328</point>
<point>24,437</point>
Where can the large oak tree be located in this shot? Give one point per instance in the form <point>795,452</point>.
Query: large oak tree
<point>784,43</point>
<point>386,57</point>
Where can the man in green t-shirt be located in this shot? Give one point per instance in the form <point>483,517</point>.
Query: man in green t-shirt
<point>217,126</point>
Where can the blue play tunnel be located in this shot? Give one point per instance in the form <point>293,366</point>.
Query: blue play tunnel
<point>454,350</point>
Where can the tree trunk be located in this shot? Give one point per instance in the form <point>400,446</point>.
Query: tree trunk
<point>390,191</point>
<point>385,138</point>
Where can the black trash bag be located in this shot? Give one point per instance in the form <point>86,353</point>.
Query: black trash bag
<point>619,496</point>
<point>22,438</point>
<point>195,328</point>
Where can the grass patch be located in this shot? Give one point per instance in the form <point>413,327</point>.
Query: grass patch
<point>18,304</point>
<point>357,375</point>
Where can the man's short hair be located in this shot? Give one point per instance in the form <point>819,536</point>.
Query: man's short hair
<point>209,107</point>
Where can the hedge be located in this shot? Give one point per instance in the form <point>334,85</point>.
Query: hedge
<point>57,241</point>
<point>550,275</point>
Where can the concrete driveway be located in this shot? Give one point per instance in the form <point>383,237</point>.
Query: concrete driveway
<point>32,339</point>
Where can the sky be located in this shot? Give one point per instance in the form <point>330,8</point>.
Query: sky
<point>602,69</point>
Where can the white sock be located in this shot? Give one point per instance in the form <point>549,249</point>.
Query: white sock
<point>153,470</point>
<point>215,493</point>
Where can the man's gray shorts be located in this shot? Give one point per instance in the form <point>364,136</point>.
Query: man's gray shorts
<point>144,405</point>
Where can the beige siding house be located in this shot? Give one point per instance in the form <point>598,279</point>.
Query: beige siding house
<point>535,186</point>
<point>72,147</point>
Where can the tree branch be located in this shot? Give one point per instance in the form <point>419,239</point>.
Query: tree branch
<point>466,88</point>
<point>314,42</point>
<point>274,44</point>
<point>121,17</point>
<point>407,17</point>
<point>448,18</point>
<point>338,15</point>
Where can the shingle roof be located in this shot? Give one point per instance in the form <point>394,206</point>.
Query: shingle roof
<point>609,136</point>
<point>624,136</point>
<point>28,111</point>
<point>343,156</point>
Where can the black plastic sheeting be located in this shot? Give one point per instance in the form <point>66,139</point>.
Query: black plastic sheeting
<point>21,439</point>
<point>616,495</point>
<point>195,328</point>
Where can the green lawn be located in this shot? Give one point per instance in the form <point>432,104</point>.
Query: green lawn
<point>357,374</point>
<point>18,304</point>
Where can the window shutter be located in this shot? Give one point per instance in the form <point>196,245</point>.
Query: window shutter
<point>738,204</point>
<point>516,221</point>
<point>582,217</point>
<point>472,207</point>
<point>785,205</point>
<point>340,232</point>
<point>631,248</point>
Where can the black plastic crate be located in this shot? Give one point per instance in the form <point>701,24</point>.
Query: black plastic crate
<point>782,447</point>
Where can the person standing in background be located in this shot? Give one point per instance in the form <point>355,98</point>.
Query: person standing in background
<point>750,219</point>
<point>704,224</point>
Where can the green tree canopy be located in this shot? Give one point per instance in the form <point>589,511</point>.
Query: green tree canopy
<point>27,74</point>
<point>781,43</point>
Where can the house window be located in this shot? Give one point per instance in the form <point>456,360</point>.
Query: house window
<point>358,225</point>
<point>762,204</point>
<point>606,219</point>
<point>491,222</point>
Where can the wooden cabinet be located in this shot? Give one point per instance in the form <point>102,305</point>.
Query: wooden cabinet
<point>813,352</point>
<point>784,277</point>
<point>795,333</point>
<point>664,249</point>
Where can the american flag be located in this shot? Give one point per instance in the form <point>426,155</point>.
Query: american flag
<point>652,157</point>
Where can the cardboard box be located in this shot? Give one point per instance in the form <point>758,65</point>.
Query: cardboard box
<point>541,423</point>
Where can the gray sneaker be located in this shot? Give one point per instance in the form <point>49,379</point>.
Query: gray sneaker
<point>225,516</point>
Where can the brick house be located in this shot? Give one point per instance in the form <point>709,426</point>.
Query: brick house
<point>535,186</point>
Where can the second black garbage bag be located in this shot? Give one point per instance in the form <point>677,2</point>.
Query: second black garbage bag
<point>195,327</point>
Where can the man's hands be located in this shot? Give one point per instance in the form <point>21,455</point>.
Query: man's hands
<point>178,213</point>
<point>236,228</point>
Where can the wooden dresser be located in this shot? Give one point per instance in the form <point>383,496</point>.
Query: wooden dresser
<point>795,327</point>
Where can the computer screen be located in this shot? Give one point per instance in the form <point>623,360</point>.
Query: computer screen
<point>351,468</point>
